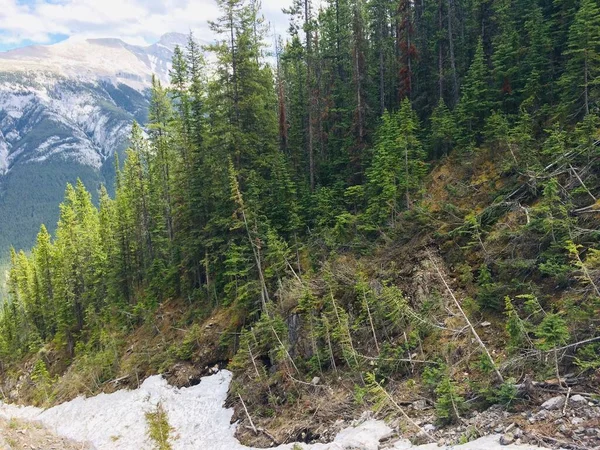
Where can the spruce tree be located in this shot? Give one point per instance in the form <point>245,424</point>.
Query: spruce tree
<point>443,130</point>
<point>537,62</point>
<point>474,105</point>
<point>579,84</point>
<point>398,165</point>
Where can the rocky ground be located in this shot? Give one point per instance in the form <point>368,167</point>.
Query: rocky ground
<point>21,435</point>
<point>543,416</point>
<point>559,422</point>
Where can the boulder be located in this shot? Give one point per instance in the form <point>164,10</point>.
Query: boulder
<point>577,400</point>
<point>554,403</point>
<point>507,439</point>
<point>420,405</point>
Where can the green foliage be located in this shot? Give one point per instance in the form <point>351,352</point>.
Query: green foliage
<point>578,84</point>
<point>449,405</point>
<point>432,376</point>
<point>185,350</point>
<point>257,192</point>
<point>489,293</point>
<point>506,394</point>
<point>443,130</point>
<point>588,357</point>
<point>43,381</point>
<point>398,165</point>
<point>515,327</point>
<point>474,103</point>
<point>552,332</point>
<point>159,430</point>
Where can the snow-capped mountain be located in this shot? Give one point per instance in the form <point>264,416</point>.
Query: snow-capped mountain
<point>65,109</point>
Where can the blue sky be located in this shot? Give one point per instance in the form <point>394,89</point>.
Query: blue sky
<point>52,39</point>
<point>27,22</point>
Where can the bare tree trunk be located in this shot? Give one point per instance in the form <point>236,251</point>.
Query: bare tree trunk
<point>406,176</point>
<point>310,149</point>
<point>234,77</point>
<point>381,70</point>
<point>359,105</point>
<point>371,321</point>
<point>440,53</point>
<point>471,327</point>
<point>207,270</point>
<point>585,85</point>
<point>451,50</point>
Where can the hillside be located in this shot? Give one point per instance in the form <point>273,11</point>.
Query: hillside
<point>400,216</point>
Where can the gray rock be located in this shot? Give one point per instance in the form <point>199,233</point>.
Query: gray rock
<point>315,381</point>
<point>578,400</point>
<point>540,415</point>
<point>507,439</point>
<point>420,405</point>
<point>429,427</point>
<point>554,403</point>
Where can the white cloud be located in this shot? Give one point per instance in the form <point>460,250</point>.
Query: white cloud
<point>135,21</point>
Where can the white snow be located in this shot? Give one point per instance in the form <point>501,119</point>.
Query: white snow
<point>15,103</point>
<point>3,154</point>
<point>64,83</point>
<point>200,422</point>
<point>80,110</point>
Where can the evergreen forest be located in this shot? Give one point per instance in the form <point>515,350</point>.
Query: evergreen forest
<point>351,205</point>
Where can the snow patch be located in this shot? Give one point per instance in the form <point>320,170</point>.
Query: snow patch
<point>95,131</point>
<point>117,421</point>
<point>3,155</point>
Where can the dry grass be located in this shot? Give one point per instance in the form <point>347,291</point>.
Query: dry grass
<point>21,435</point>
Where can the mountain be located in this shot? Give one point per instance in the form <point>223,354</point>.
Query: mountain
<point>65,109</point>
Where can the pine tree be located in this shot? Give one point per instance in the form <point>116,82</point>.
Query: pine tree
<point>134,217</point>
<point>43,260</point>
<point>249,128</point>
<point>537,62</point>
<point>196,68</point>
<point>161,165</point>
<point>506,58</point>
<point>179,74</point>
<point>474,105</point>
<point>443,130</point>
<point>579,82</point>
<point>398,165</point>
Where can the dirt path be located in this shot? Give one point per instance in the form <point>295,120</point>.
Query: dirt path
<point>21,435</point>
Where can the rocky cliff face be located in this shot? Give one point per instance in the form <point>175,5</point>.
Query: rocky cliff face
<point>65,110</point>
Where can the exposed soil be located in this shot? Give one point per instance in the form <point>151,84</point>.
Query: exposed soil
<point>21,435</point>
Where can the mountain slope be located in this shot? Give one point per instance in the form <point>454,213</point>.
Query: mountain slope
<point>65,110</point>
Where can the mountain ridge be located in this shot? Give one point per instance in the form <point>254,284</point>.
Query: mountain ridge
<point>65,109</point>
<point>97,58</point>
